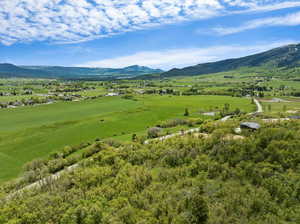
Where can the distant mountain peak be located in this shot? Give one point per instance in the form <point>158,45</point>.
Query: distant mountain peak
<point>7,65</point>
<point>134,66</point>
<point>140,67</point>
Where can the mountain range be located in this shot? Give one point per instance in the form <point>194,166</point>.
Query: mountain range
<point>10,70</point>
<point>282,57</point>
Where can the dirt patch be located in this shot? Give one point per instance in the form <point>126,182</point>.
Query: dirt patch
<point>233,137</point>
<point>274,120</point>
<point>292,111</point>
<point>201,135</point>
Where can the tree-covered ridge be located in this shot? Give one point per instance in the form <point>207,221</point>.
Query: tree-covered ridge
<point>10,70</point>
<point>282,57</point>
<point>183,180</point>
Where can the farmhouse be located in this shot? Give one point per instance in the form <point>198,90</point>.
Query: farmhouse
<point>140,91</point>
<point>17,104</point>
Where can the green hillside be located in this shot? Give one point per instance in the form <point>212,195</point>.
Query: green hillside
<point>9,70</point>
<point>283,57</point>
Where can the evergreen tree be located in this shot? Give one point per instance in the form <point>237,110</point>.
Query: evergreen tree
<point>186,112</point>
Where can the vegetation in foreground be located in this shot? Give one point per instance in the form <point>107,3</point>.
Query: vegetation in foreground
<point>183,180</point>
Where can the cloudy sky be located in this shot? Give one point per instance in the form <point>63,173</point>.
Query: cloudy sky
<point>156,33</point>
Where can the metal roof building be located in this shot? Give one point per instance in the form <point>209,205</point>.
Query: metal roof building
<point>250,125</point>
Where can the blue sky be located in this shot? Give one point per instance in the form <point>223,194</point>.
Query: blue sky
<point>156,33</point>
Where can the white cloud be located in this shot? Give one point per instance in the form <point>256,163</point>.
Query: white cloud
<point>168,59</point>
<point>276,6</point>
<point>270,5</point>
<point>261,5</point>
<point>288,20</point>
<point>80,20</point>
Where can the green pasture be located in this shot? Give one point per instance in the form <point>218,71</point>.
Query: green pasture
<point>91,93</point>
<point>281,107</point>
<point>5,99</point>
<point>30,132</point>
<point>276,83</point>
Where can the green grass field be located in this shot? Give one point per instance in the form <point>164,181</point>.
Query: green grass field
<point>5,99</point>
<point>30,132</point>
<point>293,104</point>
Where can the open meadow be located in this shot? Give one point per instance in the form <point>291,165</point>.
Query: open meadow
<point>27,133</point>
<point>284,105</point>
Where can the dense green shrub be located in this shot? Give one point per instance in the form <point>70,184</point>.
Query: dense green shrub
<point>154,132</point>
<point>182,180</point>
<point>173,123</point>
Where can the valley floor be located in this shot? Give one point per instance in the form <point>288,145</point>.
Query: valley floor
<point>30,132</point>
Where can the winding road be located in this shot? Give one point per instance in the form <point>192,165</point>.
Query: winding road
<point>258,105</point>
<point>259,109</point>
<point>173,135</point>
<point>40,183</point>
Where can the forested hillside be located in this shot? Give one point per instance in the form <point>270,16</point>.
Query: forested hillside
<point>80,72</point>
<point>191,179</point>
<point>10,70</point>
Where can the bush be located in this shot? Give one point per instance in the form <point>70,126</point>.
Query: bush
<point>91,151</point>
<point>173,123</point>
<point>68,150</point>
<point>57,165</point>
<point>112,142</point>
<point>186,112</point>
<point>128,97</point>
<point>35,165</point>
<point>154,132</point>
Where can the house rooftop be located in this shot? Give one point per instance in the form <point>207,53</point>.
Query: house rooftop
<point>250,125</point>
<point>295,117</point>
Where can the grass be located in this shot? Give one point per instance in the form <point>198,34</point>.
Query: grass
<point>91,93</point>
<point>290,84</point>
<point>281,107</point>
<point>5,99</point>
<point>30,132</point>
